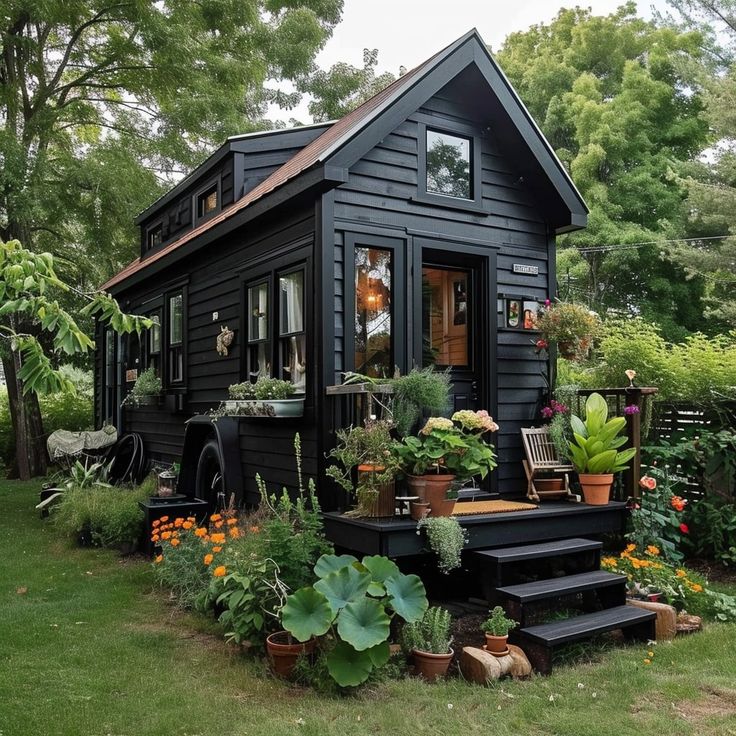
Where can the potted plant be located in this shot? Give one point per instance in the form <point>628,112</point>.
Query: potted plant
<point>428,641</point>
<point>496,628</point>
<point>445,450</point>
<point>146,390</point>
<point>420,393</point>
<point>266,397</point>
<point>366,452</point>
<point>572,326</point>
<point>283,652</point>
<point>594,450</point>
<point>446,539</point>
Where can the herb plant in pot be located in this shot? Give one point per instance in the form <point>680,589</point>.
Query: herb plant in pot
<point>266,397</point>
<point>146,390</point>
<point>428,641</point>
<point>365,453</point>
<point>594,450</point>
<point>496,628</point>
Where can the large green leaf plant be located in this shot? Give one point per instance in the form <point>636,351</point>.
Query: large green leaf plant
<point>354,602</point>
<point>596,441</point>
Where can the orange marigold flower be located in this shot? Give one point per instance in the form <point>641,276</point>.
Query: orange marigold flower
<point>200,531</point>
<point>187,525</point>
<point>234,532</point>
<point>155,538</point>
<point>680,573</point>
<point>166,535</point>
<point>156,523</point>
<point>696,588</point>
<point>630,547</point>
<point>175,542</point>
<point>159,558</point>
<point>254,529</point>
<point>215,517</point>
<point>217,549</point>
<point>208,559</point>
<point>219,571</point>
<point>652,550</point>
<point>218,524</point>
<point>164,519</point>
<point>647,661</point>
<point>178,521</point>
<point>232,522</point>
<point>217,538</point>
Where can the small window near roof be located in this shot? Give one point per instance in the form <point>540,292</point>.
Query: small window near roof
<point>207,202</point>
<point>155,236</point>
<point>448,165</point>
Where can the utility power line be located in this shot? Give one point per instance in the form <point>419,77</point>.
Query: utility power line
<point>631,246</point>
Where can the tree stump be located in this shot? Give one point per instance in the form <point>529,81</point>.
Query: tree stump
<point>480,667</point>
<point>666,623</point>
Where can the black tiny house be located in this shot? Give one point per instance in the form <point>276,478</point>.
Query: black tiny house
<point>418,229</point>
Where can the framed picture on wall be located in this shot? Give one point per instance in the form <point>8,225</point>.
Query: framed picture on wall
<point>517,312</point>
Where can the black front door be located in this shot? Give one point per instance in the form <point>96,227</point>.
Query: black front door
<point>453,294</point>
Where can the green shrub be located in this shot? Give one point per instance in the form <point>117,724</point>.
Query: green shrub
<point>106,516</point>
<point>421,391</point>
<point>430,634</point>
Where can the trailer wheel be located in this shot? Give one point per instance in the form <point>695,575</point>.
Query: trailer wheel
<point>208,483</point>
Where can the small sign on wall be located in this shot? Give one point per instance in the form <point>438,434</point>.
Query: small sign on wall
<point>527,269</point>
<point>131,375</point>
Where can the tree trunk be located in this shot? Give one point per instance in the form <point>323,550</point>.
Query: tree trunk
<point>25,413</point>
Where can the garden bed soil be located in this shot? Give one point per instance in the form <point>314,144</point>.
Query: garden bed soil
<point>714,571</point>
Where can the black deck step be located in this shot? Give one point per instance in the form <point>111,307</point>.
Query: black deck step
<point>535,551</point>
<point>557,587</point>
<point>589,624</point>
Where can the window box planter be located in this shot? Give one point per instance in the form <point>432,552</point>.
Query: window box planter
<point>267,408</point>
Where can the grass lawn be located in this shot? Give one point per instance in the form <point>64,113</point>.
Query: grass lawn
<point>88,646</point>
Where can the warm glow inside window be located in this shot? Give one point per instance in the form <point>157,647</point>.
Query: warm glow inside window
<point>207,202</point>
<point>445,317</point>
<point>448,165</point>
<point>373,353</point>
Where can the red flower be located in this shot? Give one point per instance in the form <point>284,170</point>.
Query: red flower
<point>684,528</point>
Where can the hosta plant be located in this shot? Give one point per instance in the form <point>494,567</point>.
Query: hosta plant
<point>354,603</point>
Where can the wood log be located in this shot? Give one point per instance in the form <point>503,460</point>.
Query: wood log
<point>666,623</point>
<point>480,667</point>
<point>521,667</point>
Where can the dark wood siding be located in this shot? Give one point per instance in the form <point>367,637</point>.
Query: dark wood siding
<point>380,197</point>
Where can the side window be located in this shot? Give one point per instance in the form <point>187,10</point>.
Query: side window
<point>373,312</point>
<point>449,165</point>
<point>292,332</point>
<point>154,236</point>
<point>259,342</point>
<point>207,202</point>
<point>153,344</point>
<point>175,337</point>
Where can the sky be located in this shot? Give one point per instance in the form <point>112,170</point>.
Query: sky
<point>406,32</point>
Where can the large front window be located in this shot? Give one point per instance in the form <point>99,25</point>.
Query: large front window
<point>373,321</point>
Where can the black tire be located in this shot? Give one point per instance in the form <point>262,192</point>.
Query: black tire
<point>208,483</point>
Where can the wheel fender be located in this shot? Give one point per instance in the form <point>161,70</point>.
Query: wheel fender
<point>198,431</point>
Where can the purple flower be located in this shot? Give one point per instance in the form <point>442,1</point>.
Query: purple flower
<point>547,412</point>
<point>631,409</point>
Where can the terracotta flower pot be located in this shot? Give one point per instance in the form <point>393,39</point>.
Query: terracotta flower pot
<point>419,510</point>
<point>416,485</point>
<point>497,645</point>
<point>596,487</point>
<point>432,666</point>
<point>435,492</point>
<point>384,504</point>
<point>545,485</point>
<point>283,651</point>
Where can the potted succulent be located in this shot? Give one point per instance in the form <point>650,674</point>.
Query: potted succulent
<point>366,453</point>
<point>572,326</point>
<point>594,450</point>
<point>446,450</point>
<point>266,397</point>
<point>428,641</point>
<point>146,390</point>
<point>496,628</point>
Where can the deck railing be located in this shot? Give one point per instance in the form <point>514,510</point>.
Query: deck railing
<point>618,399</point>
<point>351,404</point>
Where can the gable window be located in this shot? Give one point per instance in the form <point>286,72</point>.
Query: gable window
<point>259,344</point>
<point>175,337</point>
<point>155,236</point>
<point>207,202</point>
<point>373,313</point>
<point>448,164</point>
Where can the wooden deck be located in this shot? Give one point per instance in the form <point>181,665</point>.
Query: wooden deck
<point>397,537</point>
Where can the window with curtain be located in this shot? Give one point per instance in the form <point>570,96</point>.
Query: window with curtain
<point>153,344</point>
<point>259,343</point>
<point>175,337</point>
<point>292,335</point>
<point>373,314</point>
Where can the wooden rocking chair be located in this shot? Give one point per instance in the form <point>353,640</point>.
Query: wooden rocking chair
<point>541,456</point>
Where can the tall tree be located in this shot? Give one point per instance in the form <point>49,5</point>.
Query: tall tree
<point>101,101</point>
<point>711,179</point>
<point>608,95</point>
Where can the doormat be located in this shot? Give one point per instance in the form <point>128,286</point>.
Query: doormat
<point>466,508</point>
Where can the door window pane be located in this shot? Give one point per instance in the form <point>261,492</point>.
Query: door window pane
<point>445,317</point>
<point>373,355</point>
<point>448,165</point>
<point>258,311</point>
<point>291,304</point>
